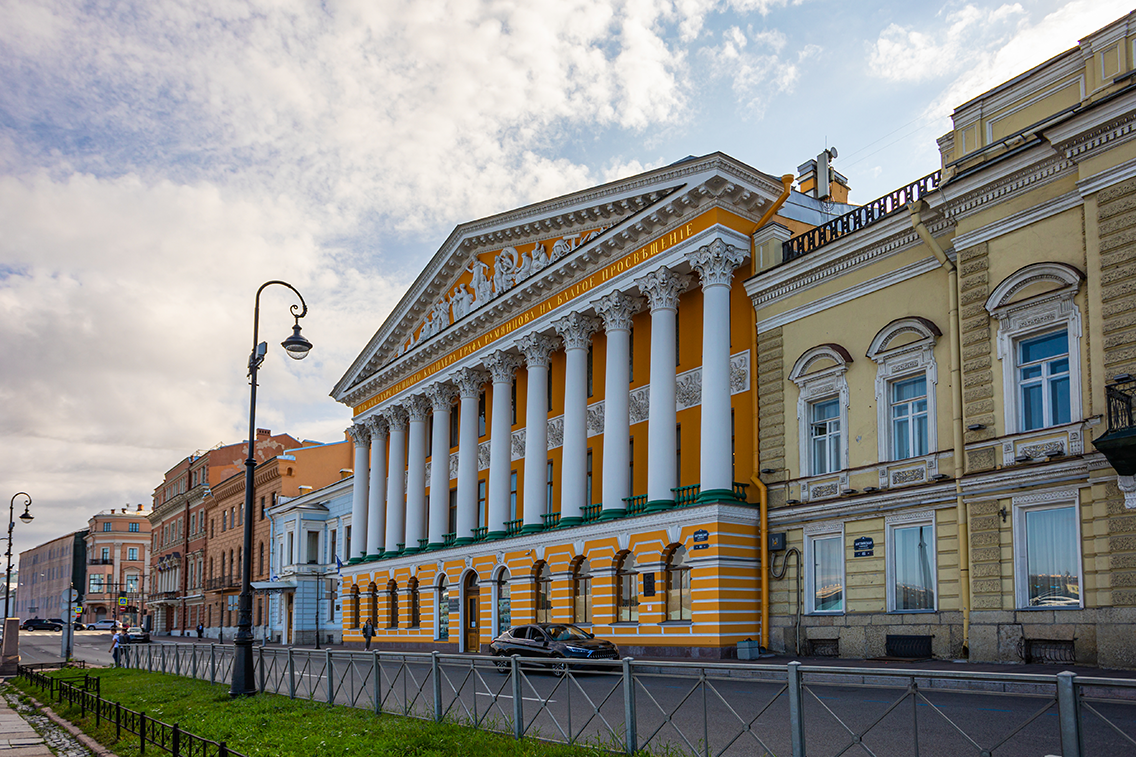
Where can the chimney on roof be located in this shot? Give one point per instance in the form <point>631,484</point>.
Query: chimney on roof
<point>263,433</point>
<point>817,178</point>
<point>139,507</point>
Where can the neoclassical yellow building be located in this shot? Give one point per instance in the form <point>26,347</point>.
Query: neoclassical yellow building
<point>584,409</point>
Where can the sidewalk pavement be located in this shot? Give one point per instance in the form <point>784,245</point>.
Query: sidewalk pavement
<point>17,737</point>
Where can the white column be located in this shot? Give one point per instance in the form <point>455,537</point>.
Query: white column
<point>576,330</point>
<point>616,310</point>
<point>396,490</point>
<point>715,264</point>
<point>501,366</point>
<point>377,489</point>
<point>469,381</point>
<point>360,437</point>
<point>536,348</point>
<point>441,398</point>
<point>418,409</point>
<point>662,289</point>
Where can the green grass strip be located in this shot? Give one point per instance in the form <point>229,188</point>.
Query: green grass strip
<point>269,725</point>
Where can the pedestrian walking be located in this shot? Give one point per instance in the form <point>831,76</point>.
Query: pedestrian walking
<point>116,642</point>
<point>368,633</point>
<point>200,630</point>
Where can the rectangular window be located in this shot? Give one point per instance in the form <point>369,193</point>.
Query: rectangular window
<point>332,547</point>
<point>548,491</point>
<point>481,415</point>
<point>482,509</point>
<point>1048,561</point>
<point>548,388</point>
<point>825,566</point>
<point>455,426</point>
<point>131,584</point>
<point>453,520</point>
<point>513,400</point>
<point>291,547</point>
<point>430,436</point>
<point>588,481</point>
<point>824,436</point>
<point>513,496</point>
<point>911,561</point>
<point>346,543</point>
<point>132,553</point>
<point>313,547</point>
<point>133,528</point>
<point>591,369</point>
<point>96,583</point>
<point>1043,380</point>
<point>106,525</point>
<point>631,467</point>
<point>262,508</point>
<point>909,417</point>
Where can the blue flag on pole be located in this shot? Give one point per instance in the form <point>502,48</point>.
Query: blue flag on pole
<point>338,565</point>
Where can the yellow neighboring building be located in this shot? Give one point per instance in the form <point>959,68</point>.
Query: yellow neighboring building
<point>931,383</point>
<point>580,406</point>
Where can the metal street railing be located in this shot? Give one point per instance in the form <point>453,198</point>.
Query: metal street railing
<point>706,709</point>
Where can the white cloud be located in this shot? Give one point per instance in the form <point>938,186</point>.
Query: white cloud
<point>754,64</point>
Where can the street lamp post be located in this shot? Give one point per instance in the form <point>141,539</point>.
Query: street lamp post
<point>26,518</point>
<point>297,347</point>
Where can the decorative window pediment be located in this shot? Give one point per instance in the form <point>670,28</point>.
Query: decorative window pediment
<point>904,353</point>
<point>822,429</point>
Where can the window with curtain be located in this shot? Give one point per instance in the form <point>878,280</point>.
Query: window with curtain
<point>1043,380</point>
<point>913,567</point>
<point>824,436</point>
<point>1051,565</point>
<point>504,602</point>
<point>826,574</point>
<point>581,591</point>
<point>678,584</point>
<point>543,580</point>
<point>627,589</point>
<point>909,417</point>
<point>443,613</point>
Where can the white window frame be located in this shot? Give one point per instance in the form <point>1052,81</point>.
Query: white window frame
<point>895,364</point>
<point>910,520</point>
<point>1049,500</point>
<point>819,387</point>
<point>495,623</point>
<point>1036,316</point>
<point>1043,381</point>
<point>814,533</point>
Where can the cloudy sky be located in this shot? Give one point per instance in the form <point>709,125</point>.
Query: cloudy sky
<point>159,161</point>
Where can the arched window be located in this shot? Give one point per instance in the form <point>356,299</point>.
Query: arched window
<point>355,607</point>
<point>542,577</point>
<point>415,602</point>
<point>678,584</point>
<point>443,604</point>
<point>392,604</point>
<point>581,590</point>
<point>373,609</point>
<point>627,589</point>
<point>504,602</point>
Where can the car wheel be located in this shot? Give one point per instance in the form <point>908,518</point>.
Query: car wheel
<point>560,666</point>
<point>58,629</point>
<point>503,664</point>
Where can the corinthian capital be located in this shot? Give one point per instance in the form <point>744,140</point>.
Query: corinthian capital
<point>360,437</point>
<point>441,396</point>
<point>502,365</point>
<point>395,417</point>
<point>417,408</point>
<point>616,310</point>
<point>537,349</point>
<point>576,330</point>
<point>377,426</point>
<point>663,287</point>
<point>470,381</point>
<point>716,262</point>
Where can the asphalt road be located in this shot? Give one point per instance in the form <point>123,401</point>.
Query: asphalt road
<point>734,716</point>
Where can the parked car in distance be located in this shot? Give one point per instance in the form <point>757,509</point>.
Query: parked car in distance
<point>135,635</point>
<point>78,626</point>
<point>41,624</point>
<point>551,642</point>
<point>102,625</point>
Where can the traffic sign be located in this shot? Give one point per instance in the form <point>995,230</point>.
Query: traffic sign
<point>122,601</point>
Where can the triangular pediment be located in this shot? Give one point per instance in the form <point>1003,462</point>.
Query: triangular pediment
<point>486,268</point>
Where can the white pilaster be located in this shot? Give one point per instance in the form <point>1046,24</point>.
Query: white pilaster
<point>396,490</point>
<point>715,264</point>
<point>360,437</point>
<point>377,490</point>
<point>418,409</point>
<point>576,330</point>
<point>536,349</point>
<point>501,366</point>
<point>616,310</point>
<point>469,381</point>
<point>662,289</point>
<point>441,398</point>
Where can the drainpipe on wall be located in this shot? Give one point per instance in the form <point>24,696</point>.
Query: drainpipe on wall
<point>762,490</point>
<point>916,209</point>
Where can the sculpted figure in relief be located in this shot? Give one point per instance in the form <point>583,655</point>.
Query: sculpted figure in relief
<point>562,247</point>
<point>505,269</point>
<point>441,315</point>
<point>482,287</point>
<point>461,300</point>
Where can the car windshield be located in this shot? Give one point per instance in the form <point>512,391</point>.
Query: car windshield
<point>134,630</point>
<point>567,633</point>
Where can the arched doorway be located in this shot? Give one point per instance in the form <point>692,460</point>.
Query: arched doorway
<point>471,612</point>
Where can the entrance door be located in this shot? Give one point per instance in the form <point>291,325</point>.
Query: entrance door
<point>472,614</point>
<point>288,622</point>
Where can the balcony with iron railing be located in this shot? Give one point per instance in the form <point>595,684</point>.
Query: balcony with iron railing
<point>223,582</point>
<point>860,218</point>
<point>1118,444</point>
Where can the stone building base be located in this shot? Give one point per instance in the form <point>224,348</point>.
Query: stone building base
<point>864,635</point>
<point>1103,638</point>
